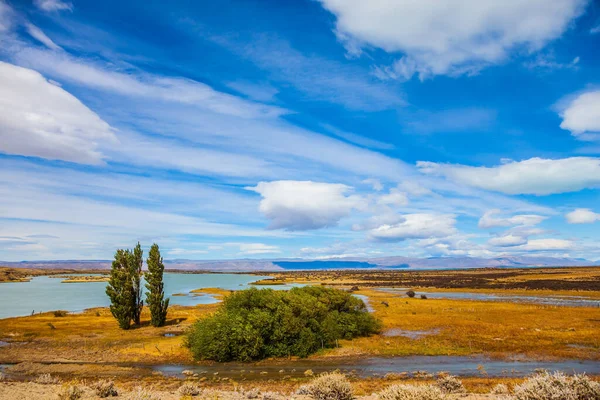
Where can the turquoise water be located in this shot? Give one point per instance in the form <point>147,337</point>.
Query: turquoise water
<point>44,293</point>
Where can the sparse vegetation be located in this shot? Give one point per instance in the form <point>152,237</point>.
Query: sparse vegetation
<point>70,392</point>
<point>557,386</point>
<point>411,392</point>
<point>46,379</point>
<point>189,389</point>
<point>333,386</point>
<point>141,393</point>
<point>60,313</point>
<point>500,389</point>
<point>105,389</point>
<point>450,384</point>
<point>254,324</point>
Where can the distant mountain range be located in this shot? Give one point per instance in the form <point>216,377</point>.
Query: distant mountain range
<point>395,262</point>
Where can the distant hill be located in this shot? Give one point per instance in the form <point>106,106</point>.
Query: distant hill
<point>394,262</point>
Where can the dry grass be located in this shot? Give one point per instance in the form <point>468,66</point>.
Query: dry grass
<point>94,336</point>
<point>465,327</point>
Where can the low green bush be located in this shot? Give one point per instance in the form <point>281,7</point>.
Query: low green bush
<point>254,324</point>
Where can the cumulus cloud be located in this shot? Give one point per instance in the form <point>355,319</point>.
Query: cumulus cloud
<point>491,220</point>
<point>40,119</point>
<point>416,226</point>
<point>582,115</point>
<point>537,176</point>
<point>582,216</point>
<point>305,205</point>
<point>53,5</point>
<point>457,37</point>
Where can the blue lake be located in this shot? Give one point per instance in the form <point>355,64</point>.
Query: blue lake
<point>45,293</point>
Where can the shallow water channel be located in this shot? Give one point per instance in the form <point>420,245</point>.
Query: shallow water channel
<point>570,301</point>
<point>380,366</point>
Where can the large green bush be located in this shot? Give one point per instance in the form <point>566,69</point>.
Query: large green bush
<point>254,324</point>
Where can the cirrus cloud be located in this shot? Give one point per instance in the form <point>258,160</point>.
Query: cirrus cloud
<point>491,220</point>
<point>537,176</point>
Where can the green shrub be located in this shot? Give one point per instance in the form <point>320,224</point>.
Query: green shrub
<point>254,324</point>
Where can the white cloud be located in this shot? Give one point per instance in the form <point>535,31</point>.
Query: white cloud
<point>455,120</point>
<point>595,30</point>
<point>547,245</point>
<point>259,92</point>
<point>213,120</point>
<point>39,35</point>
<point>358,139</point>
<point>490,219</point>
<point>6,17</point>
<point>40,119</point>
<point>451,37</point>
<point>375,184</point>
<point>535,176</point>
<point>416,226</point>
<point>53,5</point>
<point>582,115</point>
<point>142,85</point>
<point>507,240</point>
<point>314,76</point>
<point>168,153</point>
<point>582,216</point>
<point>258,248</point>
<point>414,189</point>
<point>304,205</point>
<point>394,198</point>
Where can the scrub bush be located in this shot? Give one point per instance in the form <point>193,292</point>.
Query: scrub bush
<point>255,324</point>
<point>557,386</point>
<point>450,384</point>
<point>411,392</point>
<point>105,389</point>
<point>333,386</point>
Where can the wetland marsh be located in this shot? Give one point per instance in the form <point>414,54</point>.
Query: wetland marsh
<point>467,335</point>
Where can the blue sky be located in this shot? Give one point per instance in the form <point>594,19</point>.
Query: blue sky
<point>313,129</point>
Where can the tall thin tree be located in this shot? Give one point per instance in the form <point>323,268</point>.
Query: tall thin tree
<point>154,283</point>
<point>119,288</point>
<point>136,286</point>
